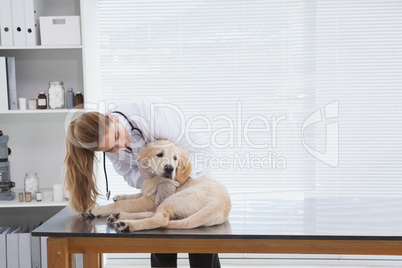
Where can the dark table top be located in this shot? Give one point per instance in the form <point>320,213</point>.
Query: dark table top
<point>256,217</point>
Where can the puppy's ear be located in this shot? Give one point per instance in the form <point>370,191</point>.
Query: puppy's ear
<point>143,154</point>
<point>183,169</point>
<point>145,163</point>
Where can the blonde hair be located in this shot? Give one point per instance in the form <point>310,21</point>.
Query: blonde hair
<point>82,140</point>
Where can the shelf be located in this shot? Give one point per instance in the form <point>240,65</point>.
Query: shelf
<point>44,111</point>
<point>15,204</point>
<point>40,47</point>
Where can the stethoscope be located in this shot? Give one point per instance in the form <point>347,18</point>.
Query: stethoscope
<point>104,154</point>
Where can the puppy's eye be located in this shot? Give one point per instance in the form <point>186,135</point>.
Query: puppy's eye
<point>175,158</point>
<point>160,154</point>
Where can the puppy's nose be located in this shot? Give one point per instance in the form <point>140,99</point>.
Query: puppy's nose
<point>168,168</point>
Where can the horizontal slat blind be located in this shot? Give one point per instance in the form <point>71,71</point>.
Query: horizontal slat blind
<point>359,63</point>
<point>255,71</point>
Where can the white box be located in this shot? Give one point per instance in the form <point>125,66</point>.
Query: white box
<point>60,30</point>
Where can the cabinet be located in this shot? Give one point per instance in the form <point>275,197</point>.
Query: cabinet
<point>37,137</point>
<point>36,66</point>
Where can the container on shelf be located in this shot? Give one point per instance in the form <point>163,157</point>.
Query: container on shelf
<point>58,193</point>
<point>60,30</point>
<point>31,184</point>
<point>32,104</point>
<point>28,197</point>
<point>79,100</point>
<point>42,100</point>
<point>70,98</point>
<point>56,95</point>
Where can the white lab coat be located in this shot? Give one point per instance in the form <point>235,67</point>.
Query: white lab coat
<point>157,120</point>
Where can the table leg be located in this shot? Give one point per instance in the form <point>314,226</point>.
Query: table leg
<point>57,253</point>
<point>72,261</point>
<point>93,260</point>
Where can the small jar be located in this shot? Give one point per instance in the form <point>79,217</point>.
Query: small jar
<point>42,100</point>
<point>31,184</point>
<point>32,104</point>
<point>28,197</point>
<point>56,95</point>
<point>79,100</point>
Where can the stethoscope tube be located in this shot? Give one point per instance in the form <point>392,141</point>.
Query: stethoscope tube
<point>104,170</point>
<point>104,153</point>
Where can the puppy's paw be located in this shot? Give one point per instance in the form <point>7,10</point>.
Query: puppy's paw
<point>123,227</point>
<point>97,212</point>
<point>119,197</point>
<point>113,218</point>
<point>88,215</point>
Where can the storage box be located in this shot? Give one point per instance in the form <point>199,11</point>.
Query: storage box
<point>60,30</point>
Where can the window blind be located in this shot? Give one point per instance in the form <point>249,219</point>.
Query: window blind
<point>358,63</point>
<point>292,95</point>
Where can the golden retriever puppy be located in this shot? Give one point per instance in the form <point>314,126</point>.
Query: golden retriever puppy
<point>197,202</point>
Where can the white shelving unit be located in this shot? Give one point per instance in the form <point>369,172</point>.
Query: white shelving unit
<point>37,137</point>
<point>33,204</point>
<point>40,47</point>
<point>35,67</point>
<point>46,111</point>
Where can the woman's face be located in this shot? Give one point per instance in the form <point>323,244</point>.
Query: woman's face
<point>115,138</point>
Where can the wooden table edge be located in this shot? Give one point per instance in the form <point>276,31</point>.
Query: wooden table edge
<point>61,248</point>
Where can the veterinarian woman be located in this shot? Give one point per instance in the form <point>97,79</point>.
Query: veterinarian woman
<point>122,134</point>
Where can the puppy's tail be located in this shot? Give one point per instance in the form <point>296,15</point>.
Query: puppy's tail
<point>203,217</point>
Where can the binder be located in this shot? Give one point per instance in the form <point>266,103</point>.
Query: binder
<point>12,248</point>
<point>35,250</point>
<point>24,248</point>
<point>3,85</point>
<point>6,23</point>
<point>43,250</point>
<point>18,16</point>
<point>12,84</point>
<point>3,245</point>
<point>33,9</point>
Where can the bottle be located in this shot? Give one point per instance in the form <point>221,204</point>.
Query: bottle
<point>70,98</point>
<point>31,184</point>
<point>56,95</point>
<point>42,100</point>
<point>79,100</point>
<point>39,196</point>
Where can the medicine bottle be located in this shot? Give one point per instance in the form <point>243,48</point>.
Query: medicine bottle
<point>56,95</point>
<point>79,100</point>
<point>39,196</point>
<point>31,184</point>
<point>70,98</point>
<point>42,100</point>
